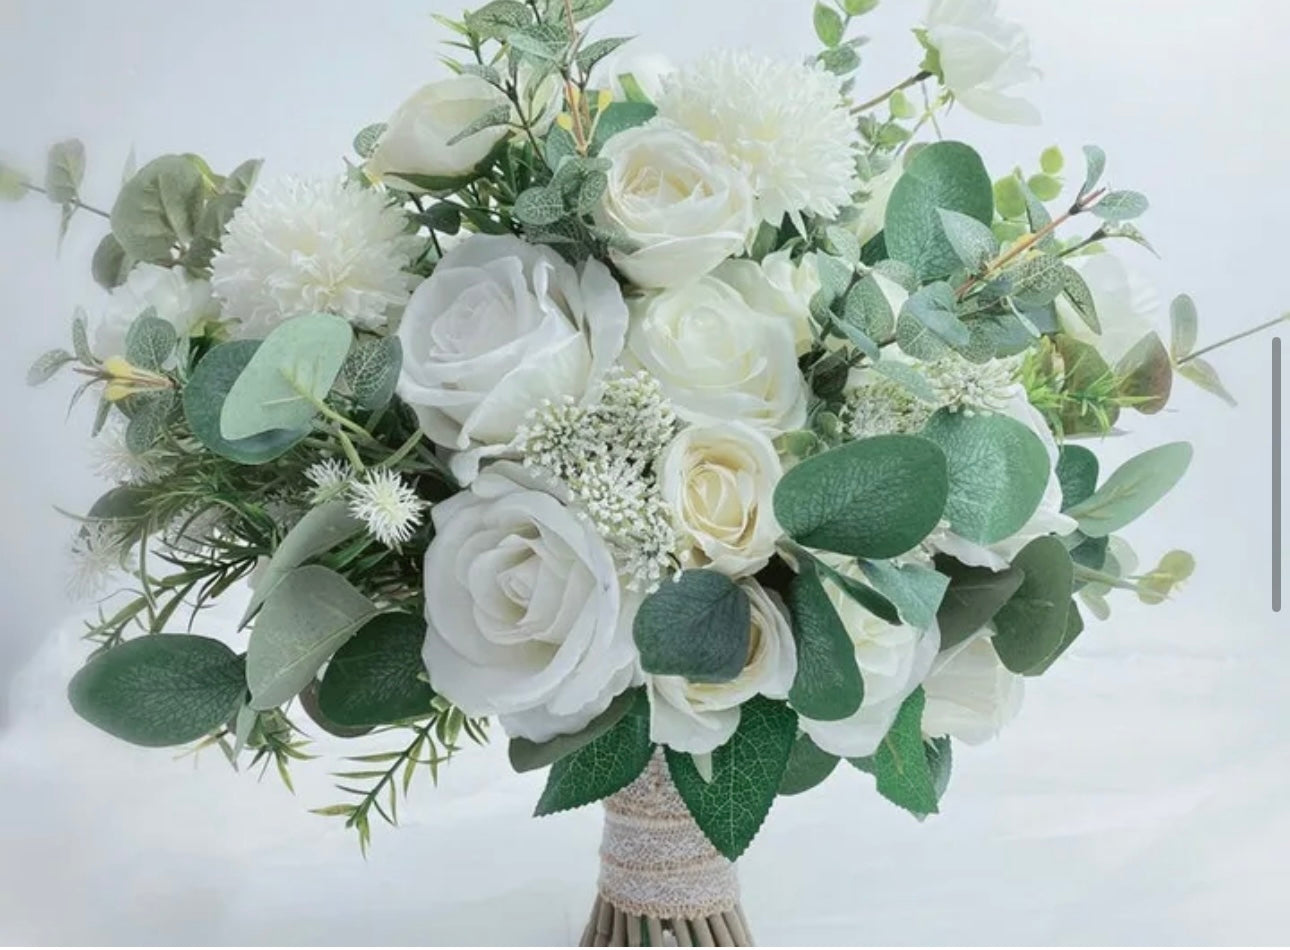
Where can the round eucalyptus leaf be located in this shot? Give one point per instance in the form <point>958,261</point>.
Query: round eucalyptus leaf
<point>697,627</point>
<point>378,677</point>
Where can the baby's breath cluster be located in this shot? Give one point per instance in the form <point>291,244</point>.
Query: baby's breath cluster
<point>964,386</point>
<point>604,453</point>
<point>881,406</point>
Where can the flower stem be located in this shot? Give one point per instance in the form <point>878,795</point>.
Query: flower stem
<point>75,201</point>
<point>876,101</point>
<point>1232,339</point>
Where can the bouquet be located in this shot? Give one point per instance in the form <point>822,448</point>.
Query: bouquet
<point>706,427</point>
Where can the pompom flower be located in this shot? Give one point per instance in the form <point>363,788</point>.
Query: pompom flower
<point>384,502</point>
<point>312,246</point>
<point>785,122</point>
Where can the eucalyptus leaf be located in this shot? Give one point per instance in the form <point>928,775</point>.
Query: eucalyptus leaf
<point>828,686</point>
<point>292,371</point>
<point>150,341</point>
<point>160,690</point>
<point>1030,627</point>
<point>1077,470</point>
<point>619,117</point>
<point>697,626</point>
<point>943,176</point>
<point>158,208</point>
<point>1120,206</point>
<point>1133,489</point>
<point>915,590</point>
<point>64,171</point>
<point>304,621</point>
<point>1081,298</point>
<point>1147,375</point>
<point>371,371</point>
<point>808,766</point>
<point>935,307</point>
<point>973,241</point>
<point>110,265</point>
<point>973,597</point>
<point>1184,322</point>
<point>873,498</point>
<point>378,677</point>
<point>1206,377</point>
<point>868,309</point>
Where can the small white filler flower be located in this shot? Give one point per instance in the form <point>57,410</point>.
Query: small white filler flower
<point>387,505</point>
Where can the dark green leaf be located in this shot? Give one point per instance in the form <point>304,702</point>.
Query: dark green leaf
<point>974,596</point>
<point>160,690</point>
<point>527,756</point>
<point>1030,627</point>
<point>808,766</point>
<point>874,498</point>
<point>901,765</point>
<point>697,626</point>
<point>605,765</point>
<point>619,117</point>
<point>935,307</point>
<point>1077,470</point>
<point>861,593</point>
<point>915,590</point>
<point>111,265</point>
<point>1074,627</point>
<point>746,773</point>
<point>828,686</point>
<point>378,677</point>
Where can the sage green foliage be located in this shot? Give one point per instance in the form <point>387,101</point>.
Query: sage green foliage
<point>874,498</point>
<point>160,690</point>
<point>528,756</point>
<point>150,341</point>
<point>746,773</point>
<point>203,402</point>
<point>861,593</point>
<point>378,677</point>
<point>808,766</point>
<point>1133,489</point>
<point>110,265</point>
<point>309,615</point>
<point>973,597</point>
<point>65,171</point>
<point>973,241</point>
<point>286,378</point>
<point>1077,471</point>
<point>1120,206</point>
<point>1074,627</point>
<point>902,766</point>
<point>828,685</point>
<point>371,371</point>
<point>696,627</point>
<point>935,307</point>
<point>947,176</point>
<point>605,765</point>
<point>998,472</point>
<point>1031,626</point>
<point>915,590</point>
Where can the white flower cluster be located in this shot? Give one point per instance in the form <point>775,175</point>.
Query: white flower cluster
<point>879,405</point>
<point>604,454</point>
<point>380,498</point>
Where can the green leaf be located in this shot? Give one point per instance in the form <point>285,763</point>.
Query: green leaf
<point>209,231</point>
<point>497,19</point>
<point>1184,321</point>
<point>916,591</point>
<point>1077,292</point>
<point>1077,470</point>
<point>859,7</point>
<point>1096,159</point>
<point>973,242</point>
<point>47,364</point>
<point>746,773</point>
<point>1074,627</point>
<point>827,686</point>
<point>974,596</point>
<point>1038,281</point>
<point>1132,489</point>
<point>64,171</point>
<point>1174,568</point>
<point>605,765</point>
<point>1147,375</point>
<point>527,756</point>
<point>308,700</point>
<point>371,371</point>
<point>1121,206</point>
<point>828,25</point>
<point>1206,377</point>
<point>619,117</point>
<point>1045,187</point>
<point>808,766</point>
<point>378,677</point>
<point>1030,627</point>
<point>868,310</point>
<point>935,307</point>
<point>305,620</point>
<point>498,115</point>
<point>901,764</point>
<point>158,208</point>
<point>542,42</point>
<point>593,53</point>
<point>367,138</point>
<point>1009,198</point>
<point>292,370</point>
<point>908,379</point>
<point>203,400</point>
<point>1085,371</point>
<point>540,206</point>
<point>945,175</point>
<point>150,341</point>
<point>1052,161</point>
<point>874,498</point>
<point>861,593</point>
<point>242,179</point>
<point>319,531</point>
<point>13,183</point>
<point>160,690</point>
<point>840,60</point>
<point>149,420</point>
<point>110,265</point>
<point>697,627</point>
<point>998,472</point>
<point>81,339</point>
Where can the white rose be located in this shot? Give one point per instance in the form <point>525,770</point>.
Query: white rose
<point>873,209</point>
<point>893,661</point>
<point>1127,307</point>
<point>416,138</point>
<point>719,482</point>
<point>982,57</point>
<point>699,717</point>
<point>180,301</point>
<point>526,619</point>
<point>499,327</point>
<point>1047,519</point>
<point>971,695</point>
<point>777,287</point>
<point>678,199</point>
<point>717,359</point>
<point>648,70</point>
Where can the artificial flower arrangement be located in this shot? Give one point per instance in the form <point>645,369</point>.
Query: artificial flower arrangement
<point>706,427</point>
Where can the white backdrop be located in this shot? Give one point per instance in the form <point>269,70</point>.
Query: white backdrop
<point>1141,796</point>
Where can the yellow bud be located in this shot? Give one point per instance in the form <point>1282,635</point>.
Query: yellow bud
<point>119,367</point>
<point>604,101</point>
<point>564,121</point>
<point>116,391</point>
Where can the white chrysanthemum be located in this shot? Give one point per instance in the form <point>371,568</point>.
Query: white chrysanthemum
<point>785,122</point>
<point>384,502</point>
<point>312,246</point>
<point>329,478</point>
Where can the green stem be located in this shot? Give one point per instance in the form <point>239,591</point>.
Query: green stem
<point>403,451</point>
<point>75,201</point>
<point>876,101</point>
<point>1232,339</point>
